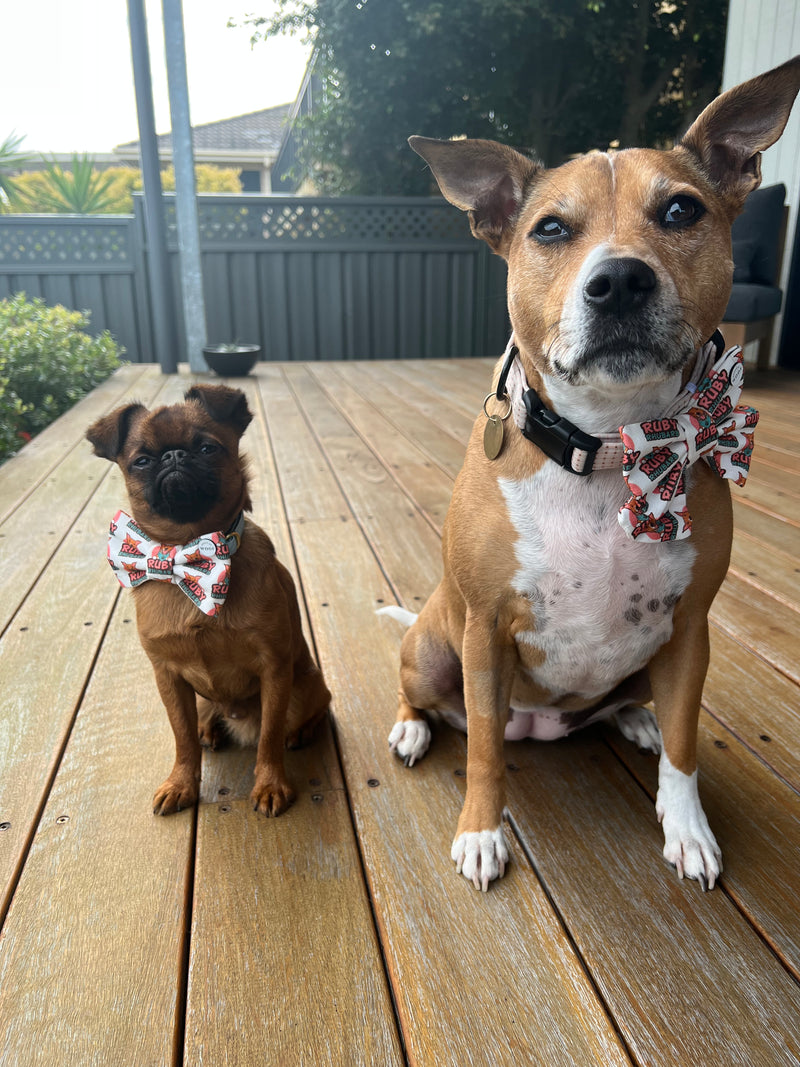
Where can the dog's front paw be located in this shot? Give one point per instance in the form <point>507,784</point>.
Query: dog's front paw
<point>689,844</point>
<point>481,856</point>
<point>639,725</point>
<point>272,797</point>
<point>410,739</point>
<point>175,794</point>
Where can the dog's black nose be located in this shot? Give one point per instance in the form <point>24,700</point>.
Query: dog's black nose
<point>618,286</point>
<point>173,456</point>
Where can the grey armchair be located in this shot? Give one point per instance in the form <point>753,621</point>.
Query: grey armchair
<point>758,237</point>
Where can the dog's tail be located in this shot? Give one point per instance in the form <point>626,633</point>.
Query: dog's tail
<point>408,618</point>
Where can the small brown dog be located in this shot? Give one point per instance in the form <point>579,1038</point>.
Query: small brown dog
<point>216,611</point>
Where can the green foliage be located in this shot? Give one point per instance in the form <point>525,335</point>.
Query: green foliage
<point>47,363</point>
<point>209,178</point>
<point>82,190</point>
<point>35,194</point>
<point>554,77</point>
<point>10,159</point>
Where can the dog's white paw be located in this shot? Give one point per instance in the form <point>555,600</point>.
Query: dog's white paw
<point>410,740</point>
<point>689,844</point>
<point>481,856</point>
<point>639,725</point>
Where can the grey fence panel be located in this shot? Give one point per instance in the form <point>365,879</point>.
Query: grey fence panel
<point>350,278</point>
<point>86,264</point>
<point>306,278</point>
<point>273,300</point>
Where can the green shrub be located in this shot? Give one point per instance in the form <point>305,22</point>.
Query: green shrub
<point>47,363</point>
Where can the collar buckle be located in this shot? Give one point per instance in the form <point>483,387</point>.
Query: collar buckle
<point>557,437</point>
<point>233,537</point>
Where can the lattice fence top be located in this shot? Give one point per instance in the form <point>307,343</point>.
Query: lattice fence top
<point>295,221</point>
<point>86,241</point>
<point>38,241</point>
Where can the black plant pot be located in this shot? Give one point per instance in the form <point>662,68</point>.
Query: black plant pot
<point>232,361</point>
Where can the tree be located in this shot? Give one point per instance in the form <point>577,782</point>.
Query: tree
<point>554,77</point>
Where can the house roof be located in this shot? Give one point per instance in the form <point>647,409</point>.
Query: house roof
<point>258,132</point>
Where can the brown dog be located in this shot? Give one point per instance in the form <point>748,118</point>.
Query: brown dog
<point>225,624</point>
<point>568,598</point>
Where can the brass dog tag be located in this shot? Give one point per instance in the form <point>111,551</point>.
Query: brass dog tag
<point>493,436</point>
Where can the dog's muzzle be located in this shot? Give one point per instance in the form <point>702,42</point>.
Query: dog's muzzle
<point>623,327</point>
<point>619,286</point>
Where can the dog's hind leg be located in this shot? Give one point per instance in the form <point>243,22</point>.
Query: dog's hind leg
<point>640,726</point>
<point>210,728</point>
<point>430,681</point>
<point>308,705</point>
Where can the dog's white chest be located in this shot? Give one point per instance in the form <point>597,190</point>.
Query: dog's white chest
<point>602,603</point>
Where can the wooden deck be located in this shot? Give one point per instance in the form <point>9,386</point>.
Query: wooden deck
<point>340,933</point>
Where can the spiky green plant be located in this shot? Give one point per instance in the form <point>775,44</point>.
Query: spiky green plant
<point>10,159</point>
<point>81,190</point>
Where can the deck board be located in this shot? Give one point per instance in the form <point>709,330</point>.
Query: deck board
<point>286,914</point>
<point>92,947</point>
<point>339,933</point>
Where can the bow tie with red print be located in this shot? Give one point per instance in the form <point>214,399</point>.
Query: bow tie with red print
<point>658,453</point>
<point>200,569</point>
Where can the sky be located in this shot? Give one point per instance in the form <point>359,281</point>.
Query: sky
<point>66,76</point>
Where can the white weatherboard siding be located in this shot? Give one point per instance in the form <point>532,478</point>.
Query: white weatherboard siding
<point>761,35</point>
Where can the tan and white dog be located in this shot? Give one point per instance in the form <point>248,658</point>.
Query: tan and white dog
<point>550,614</point>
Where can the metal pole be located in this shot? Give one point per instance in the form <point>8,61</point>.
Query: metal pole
<point>194,311</point>
<point>160,283</point>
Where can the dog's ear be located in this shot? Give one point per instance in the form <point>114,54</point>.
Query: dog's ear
<point>730,135</point>
<point>108,435</point>
<point>482,177</point>
<point>223,404</point>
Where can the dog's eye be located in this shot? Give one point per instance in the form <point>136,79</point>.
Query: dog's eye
<point>142,462</point>
<point>551,229</point>
<point>207,449</point>
<point>682,211</point>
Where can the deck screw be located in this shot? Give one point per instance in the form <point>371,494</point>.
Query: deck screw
<point>224,808</point>
<point>512,766</point>
<point>316,798</point>
<point>720,744</point>
<point>62,819</point>
<point>459,773</point>
<point>315,781</point>
<point>223,791</point>
<point>373,783</point>
<point>765,737</point>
